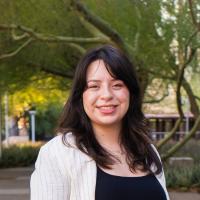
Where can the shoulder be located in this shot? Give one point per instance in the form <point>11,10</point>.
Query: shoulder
<point>63,148</point>
<point>58,142</point>
<point>56,149</point>
<point>56,154</point>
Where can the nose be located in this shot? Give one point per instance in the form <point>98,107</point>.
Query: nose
<point>106,93</point>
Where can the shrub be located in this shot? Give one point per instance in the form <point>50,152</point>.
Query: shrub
<point>19,155</point>
<point>189,149</point>
<point>46,121</point>
<point>185,177</point>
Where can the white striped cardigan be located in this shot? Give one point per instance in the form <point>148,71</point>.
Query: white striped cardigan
<point>65,173</point>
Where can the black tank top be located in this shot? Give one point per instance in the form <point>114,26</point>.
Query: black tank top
<point>111,187</point>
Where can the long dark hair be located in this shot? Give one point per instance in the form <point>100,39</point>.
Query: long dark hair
<point>134,137</point>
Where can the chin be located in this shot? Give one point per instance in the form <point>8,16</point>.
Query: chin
<point>108,122</point>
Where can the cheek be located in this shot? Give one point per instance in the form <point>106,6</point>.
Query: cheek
<point>124,96</point>
<point>85,101</point>
<point>88,100</point>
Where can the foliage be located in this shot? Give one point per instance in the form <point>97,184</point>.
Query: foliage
<point>46,17</point>
<point>39,93</point>
<point>20,155</point>
<point>62,20</point>
<point>45,98</point>
<point>46,121</point>
<point>155,33</point>
<point>152,32</point>
<point>190,149</point>
<point>183,178</point>
<point>160,37</point>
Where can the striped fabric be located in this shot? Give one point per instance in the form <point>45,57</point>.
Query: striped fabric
<point>65,173</point>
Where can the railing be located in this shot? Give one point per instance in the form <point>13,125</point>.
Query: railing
<point>177,136</point>
<point>161,124</point>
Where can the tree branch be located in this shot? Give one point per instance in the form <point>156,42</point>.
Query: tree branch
<point>191,37</point>
<point>178,145</point>
<point>32,35</point>
<point>52,71</point>
<point>169,135</point>
<point>18,37</point>
<point>194,108</point>
<point>158,74</point>
<point>97,22</point>
<point>92,29</point>
<point>157,100</point>
<point>52,38</point>
<point>103,26</point>
<point>77,47</point>
<point>197,97</point>
<point>180,80</point>
<point>25,44</point>
<point>188,42</point>
<point>56,73</point>
<point>194,20</point>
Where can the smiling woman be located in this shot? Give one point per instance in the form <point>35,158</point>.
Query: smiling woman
<point>105,99</point>
<point>103,139</point>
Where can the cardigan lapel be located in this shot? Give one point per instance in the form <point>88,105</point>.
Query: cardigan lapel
<point>83,172</point>
<point>83,178</point>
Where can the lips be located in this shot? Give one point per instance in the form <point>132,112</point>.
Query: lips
<point>107,109</point>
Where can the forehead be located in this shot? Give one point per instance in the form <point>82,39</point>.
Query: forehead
<point>98,70</point>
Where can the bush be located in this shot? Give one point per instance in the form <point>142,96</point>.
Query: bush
<point>184,177</point>
<point>46,121</point>
<point>19,155</point>
<point>189,149</point>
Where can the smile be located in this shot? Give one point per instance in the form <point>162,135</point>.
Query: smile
<point>107,106</point>
<point>107,109</point>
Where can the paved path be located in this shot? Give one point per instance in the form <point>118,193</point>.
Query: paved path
<point>14,185</point>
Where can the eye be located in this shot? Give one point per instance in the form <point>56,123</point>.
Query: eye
<point>93,86</point>
<point>118,85</point>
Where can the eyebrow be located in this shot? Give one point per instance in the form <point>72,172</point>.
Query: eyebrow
<point>94,80</point>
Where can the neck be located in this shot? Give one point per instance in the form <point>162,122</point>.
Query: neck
<point>108,136</point>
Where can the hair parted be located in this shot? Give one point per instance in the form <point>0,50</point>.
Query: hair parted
<point>134,133</point>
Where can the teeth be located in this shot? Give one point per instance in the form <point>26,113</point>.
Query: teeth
<point>107,107</point>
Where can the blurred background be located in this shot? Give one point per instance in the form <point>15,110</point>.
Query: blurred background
<point>40,44</point>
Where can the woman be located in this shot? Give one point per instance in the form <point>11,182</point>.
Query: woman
<point>103,151</point>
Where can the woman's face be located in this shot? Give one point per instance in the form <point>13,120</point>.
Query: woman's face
<point>105,99</point>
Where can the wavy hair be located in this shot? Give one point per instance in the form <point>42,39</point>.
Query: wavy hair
<point>134,133</point>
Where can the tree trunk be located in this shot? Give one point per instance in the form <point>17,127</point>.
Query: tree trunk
<point>178,145</point>
<point>193,104</point>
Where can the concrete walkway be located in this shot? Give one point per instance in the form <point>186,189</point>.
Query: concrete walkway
<point>14,185</point>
